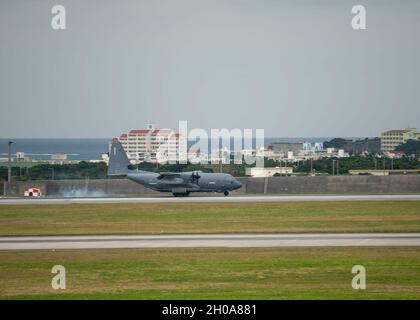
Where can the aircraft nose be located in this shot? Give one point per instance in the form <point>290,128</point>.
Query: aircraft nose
<point>237,184</point>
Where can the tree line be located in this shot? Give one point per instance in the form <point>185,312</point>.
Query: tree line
<point>84,170</point>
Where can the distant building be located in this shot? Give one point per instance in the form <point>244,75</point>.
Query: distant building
<point>248,152</point>
<point>316,147</point>
<point>152,144</point>
<point>61,158</point>
<point>393,138</point>
<point>105,158</point>
<point>265,172</point>
<point>385,172</point>
<point>395,154</point>
<point>341,153</point>
<point>20,156</point>
<point>286,147</point>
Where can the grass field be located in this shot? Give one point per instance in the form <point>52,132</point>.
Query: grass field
<point>318,273</point>
<point>263,273</point>
<point>172,218</point>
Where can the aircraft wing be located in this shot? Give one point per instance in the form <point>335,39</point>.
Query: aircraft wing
<point>171,177</point>
<point>163,175</point>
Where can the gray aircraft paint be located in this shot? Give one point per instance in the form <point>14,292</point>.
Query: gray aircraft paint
<point>179,183</point>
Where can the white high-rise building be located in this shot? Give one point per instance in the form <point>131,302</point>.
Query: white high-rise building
<point>153,144</point>
<point>393,138</point>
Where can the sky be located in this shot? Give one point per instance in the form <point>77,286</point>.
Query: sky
<point>294,68</point>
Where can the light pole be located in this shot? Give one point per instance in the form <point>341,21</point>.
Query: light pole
<point>221,159</point>
<point>338,167</point>
<point>9,167</point>
<point>312,167</point>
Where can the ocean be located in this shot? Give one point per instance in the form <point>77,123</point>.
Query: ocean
<point>42,149</point>
<point>92,149</point>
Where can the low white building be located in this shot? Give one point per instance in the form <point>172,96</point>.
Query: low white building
<point>248,152</point>
<point>61,159</point>
<point>105,158</point>
<point>265,172</point>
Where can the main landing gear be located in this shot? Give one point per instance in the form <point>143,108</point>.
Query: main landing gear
<point>186,194</point>
<point>226,193</point>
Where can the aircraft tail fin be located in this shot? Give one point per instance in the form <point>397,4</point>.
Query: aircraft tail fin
<point>118,161</point>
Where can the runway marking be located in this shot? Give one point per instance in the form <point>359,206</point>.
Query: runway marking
<point>211,241</point>
<point>267,198</point>
<point>209,237</point>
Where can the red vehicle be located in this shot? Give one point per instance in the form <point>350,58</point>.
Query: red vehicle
<point>32,192</point>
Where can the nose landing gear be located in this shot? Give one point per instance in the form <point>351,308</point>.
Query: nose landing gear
<point>226,193</point>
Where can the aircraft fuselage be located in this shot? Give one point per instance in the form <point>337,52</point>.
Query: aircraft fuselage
<point>186,182</point>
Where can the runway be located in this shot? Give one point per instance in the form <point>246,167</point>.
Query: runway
<point>211,241</point>
<point>239,198</point>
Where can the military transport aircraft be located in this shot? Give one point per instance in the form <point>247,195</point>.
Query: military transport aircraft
<point>179,183</point>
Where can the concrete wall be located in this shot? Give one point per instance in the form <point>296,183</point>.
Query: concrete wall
<point>274,185</point>
<point>346,184</point>
<point>83,188</point>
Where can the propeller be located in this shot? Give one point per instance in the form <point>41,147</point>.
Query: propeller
<point>195,176</point>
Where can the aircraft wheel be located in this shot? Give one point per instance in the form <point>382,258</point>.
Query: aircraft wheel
<point>181,194</point>
<point>226,193</point>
